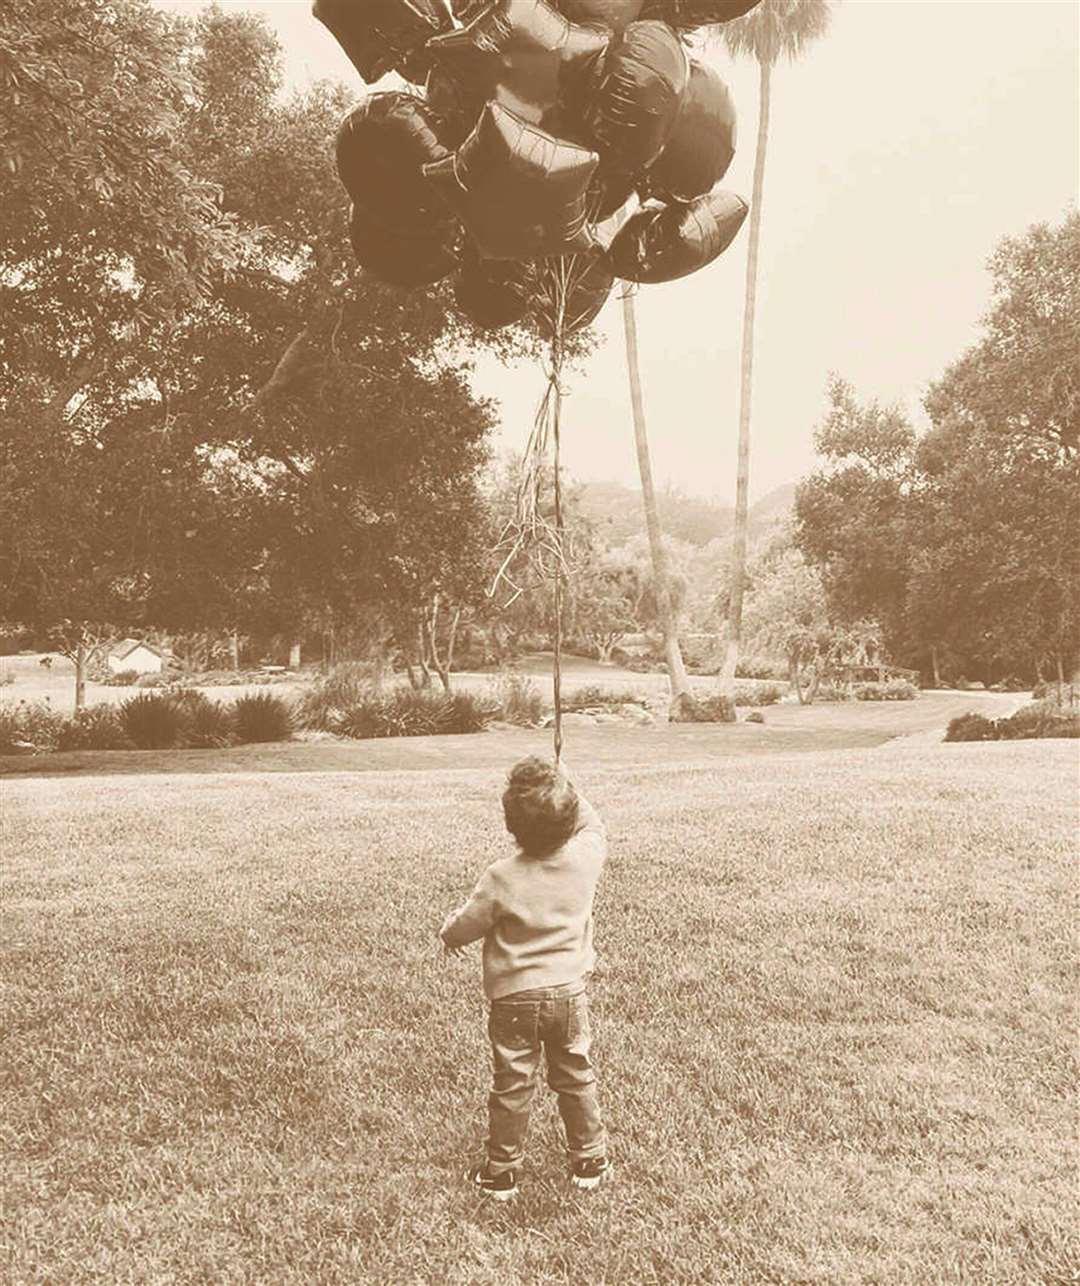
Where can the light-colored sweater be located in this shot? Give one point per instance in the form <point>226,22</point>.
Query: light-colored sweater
<point>535,913</point>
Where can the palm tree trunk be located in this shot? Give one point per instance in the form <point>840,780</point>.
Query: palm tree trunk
<point>680,684</point>
<point>742,485</point>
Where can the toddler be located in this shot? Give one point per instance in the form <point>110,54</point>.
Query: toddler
<point>534,912</point>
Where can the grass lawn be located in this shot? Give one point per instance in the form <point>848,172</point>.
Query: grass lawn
<point>834,1021</point>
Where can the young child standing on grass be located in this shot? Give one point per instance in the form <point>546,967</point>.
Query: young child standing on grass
<point>534,913</point>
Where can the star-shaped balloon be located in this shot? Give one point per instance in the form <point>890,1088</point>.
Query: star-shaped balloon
<point>665,242</point>
<point>524,55</point>
<point>601,13</point>
<point>687,14</point>
<point>520,192</point>
<point>379,35</point>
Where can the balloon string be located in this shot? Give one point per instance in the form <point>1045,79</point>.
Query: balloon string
<point>556,413</point>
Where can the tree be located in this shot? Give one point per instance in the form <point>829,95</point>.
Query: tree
<point>678,681</point>
<point>772,28</point>
<point>290,441</point>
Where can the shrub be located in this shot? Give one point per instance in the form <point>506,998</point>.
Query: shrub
<point>712,709</point>
<point>890,690</point>
<point>96,727</point>
<point>152,681</point>
<point>519,700</point>
<point>406,712</point>
<point>262,718</point>
<point>1062,696</point>
<point>320,705</point>
<point>209,725</point>
<point>971,727</point>
<point>152,721</point>
<point>122,678</point>
<point>749,692</point>
<point>592,694</point>
<point>29,723</point>
<point>1038,719</point>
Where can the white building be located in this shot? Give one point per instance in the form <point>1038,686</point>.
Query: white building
<point>134,654</point>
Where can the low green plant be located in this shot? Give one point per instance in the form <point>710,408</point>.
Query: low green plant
<point>121,678</point>
<point>593,694</point>
<point>209,725</point>
<point>890,690</point>
<point>97,727</point>
<point>971,727</point>
<point>756,692</point>
<point>519,700</point>
<point>153,721</point>
<point>716,708</point>
<point>262,717</point>
<point>407,712</point>
<point>322,702</point>
<point>29,723</point>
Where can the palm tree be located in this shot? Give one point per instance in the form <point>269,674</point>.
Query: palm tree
<point>773,28</point>
<point>680,685</point>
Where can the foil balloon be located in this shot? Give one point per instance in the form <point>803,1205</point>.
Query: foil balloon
<point>492,292</point>
<point>381,149</point>
<point>522,54</point>
<point>635,100</point>
<point>454,112</point>
<point>665,242</point>
<point>687,14</point>
<point>402,261</point>
<point>379,35</point>
<point>702,141</point>
<point>615,14</point>
<point>519,192</point>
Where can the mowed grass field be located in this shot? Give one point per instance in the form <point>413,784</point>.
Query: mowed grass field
<point>834,1023</point>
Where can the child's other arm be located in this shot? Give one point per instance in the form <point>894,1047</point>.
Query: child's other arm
<point>475,918</point>
<point>588,818</point>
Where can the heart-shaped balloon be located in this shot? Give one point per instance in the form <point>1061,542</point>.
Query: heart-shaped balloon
<point>402,261</point>
<point>381,148</point>
<point>701,144</point>
<point>520,192</point>
<point>635,100</point>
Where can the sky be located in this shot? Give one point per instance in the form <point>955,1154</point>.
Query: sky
<point>902,147</point>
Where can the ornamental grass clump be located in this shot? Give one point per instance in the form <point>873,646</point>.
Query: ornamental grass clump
<point>98,727</point>
<point>152,721</point>
<point>262,717</point>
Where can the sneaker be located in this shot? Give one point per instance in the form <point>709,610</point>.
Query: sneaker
<point>588,1173</point>
<point>500,1186</point>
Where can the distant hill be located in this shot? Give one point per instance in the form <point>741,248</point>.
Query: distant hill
<point>617,511</point>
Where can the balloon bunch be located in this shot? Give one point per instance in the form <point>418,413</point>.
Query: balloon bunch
<point>575,133</point>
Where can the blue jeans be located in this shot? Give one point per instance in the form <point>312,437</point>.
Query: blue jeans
<point>554,1020</point>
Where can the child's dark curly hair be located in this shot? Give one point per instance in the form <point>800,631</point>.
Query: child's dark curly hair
<point>540,806</point>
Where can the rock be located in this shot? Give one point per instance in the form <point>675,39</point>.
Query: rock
<point>607,718</point>
<point>574,720</point>
<point>755,716</point>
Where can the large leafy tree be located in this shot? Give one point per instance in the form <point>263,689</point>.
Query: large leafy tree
<point>962,543</point>
<point>279,439</point>
<point>771,30</point>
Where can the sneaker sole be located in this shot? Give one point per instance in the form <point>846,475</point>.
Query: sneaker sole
<point>496,1194</point>
<point>592,1182</point>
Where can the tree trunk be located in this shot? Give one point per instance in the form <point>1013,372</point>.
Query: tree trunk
<point>234,651</point>
<point>742,483</point>
<point>679,683</point>
<point>294,657</point>
<point>934,663</point>
<point>81,657</point>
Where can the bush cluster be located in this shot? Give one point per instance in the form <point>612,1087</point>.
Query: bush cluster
<point>1037,720</point>
<point>758,692</point>
<point>322,702</point>
<point>593,694</point>
<point>518,699</point>
<point>890,690</point>
<point>179,719</point>
<point>710,709</point>
<point>407,712</point>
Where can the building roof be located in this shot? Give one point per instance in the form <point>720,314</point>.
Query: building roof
<point>126,646</point>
